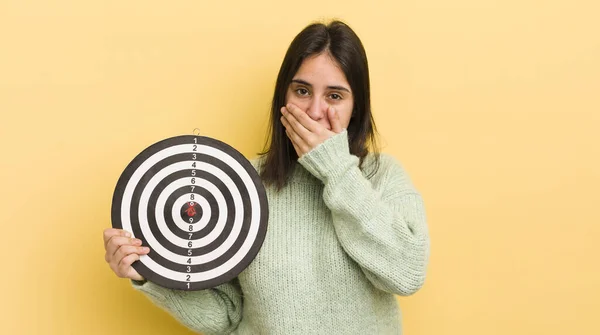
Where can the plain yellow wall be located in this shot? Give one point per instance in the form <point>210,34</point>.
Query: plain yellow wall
<point>492,106</point>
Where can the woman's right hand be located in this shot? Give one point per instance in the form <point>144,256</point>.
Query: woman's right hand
<point>121,251</point>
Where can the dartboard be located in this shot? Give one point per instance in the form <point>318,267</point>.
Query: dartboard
<point>198,204</point>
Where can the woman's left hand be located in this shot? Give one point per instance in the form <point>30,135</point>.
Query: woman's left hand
<point>306,133</point>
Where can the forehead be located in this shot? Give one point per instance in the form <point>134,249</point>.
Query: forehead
<point>321,69</point>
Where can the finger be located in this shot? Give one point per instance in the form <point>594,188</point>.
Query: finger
<point>305,127</point>
<point>124,267</point>
<point>334,120</point>
<point>117,242</point>
<point>298,152</point>
<point>296,139</point>
<point>112,232</point>
<point>299,145</point>
<point>302,117</point>
<point>288,132</point>
<point>126,250</point>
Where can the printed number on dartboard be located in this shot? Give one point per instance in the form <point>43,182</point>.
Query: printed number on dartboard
<point>192,198</point>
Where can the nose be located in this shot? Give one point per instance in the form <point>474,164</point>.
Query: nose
<point>317,109</point>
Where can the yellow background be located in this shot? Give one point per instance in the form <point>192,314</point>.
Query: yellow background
<point>492,106</point>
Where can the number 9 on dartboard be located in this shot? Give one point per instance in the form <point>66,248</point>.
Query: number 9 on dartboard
<point>198,204</point>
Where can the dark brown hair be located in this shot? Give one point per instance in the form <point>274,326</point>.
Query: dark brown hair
<point>346,49</point>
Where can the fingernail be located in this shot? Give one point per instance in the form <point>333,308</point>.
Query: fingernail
<point>136,241</point>
<point>146,249</point>
<point>127,234</point>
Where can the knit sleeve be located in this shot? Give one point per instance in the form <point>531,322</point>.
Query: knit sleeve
<point>212,311</point>
<point>380,222</point>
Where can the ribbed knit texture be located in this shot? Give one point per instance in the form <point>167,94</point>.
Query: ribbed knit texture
<point>339,245</point>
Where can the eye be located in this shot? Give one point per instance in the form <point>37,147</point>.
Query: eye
<point>302,91</point>
<point>335,96</point>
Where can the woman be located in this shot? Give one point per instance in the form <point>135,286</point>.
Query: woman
<point>347,229</point>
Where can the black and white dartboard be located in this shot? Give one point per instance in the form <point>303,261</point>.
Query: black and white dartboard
<point>198,204</point>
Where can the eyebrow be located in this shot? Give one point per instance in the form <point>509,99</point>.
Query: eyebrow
<point>339,88</point>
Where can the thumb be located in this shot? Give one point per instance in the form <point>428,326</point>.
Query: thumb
<point>334,120</point>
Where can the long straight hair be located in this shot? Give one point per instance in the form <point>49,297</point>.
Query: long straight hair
<point>340,41</point>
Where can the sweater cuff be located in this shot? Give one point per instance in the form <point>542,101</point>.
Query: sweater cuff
<point>329,159</point>
<point>155,291</point>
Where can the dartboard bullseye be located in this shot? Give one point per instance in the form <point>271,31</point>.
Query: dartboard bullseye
<point>198,204</point>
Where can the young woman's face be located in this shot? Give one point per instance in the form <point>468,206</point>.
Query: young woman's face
<point>318,84</point>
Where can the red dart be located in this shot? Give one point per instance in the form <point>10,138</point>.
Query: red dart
<point>191,211</point>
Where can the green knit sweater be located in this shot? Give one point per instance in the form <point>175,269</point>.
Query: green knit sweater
<point>339,246</point>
